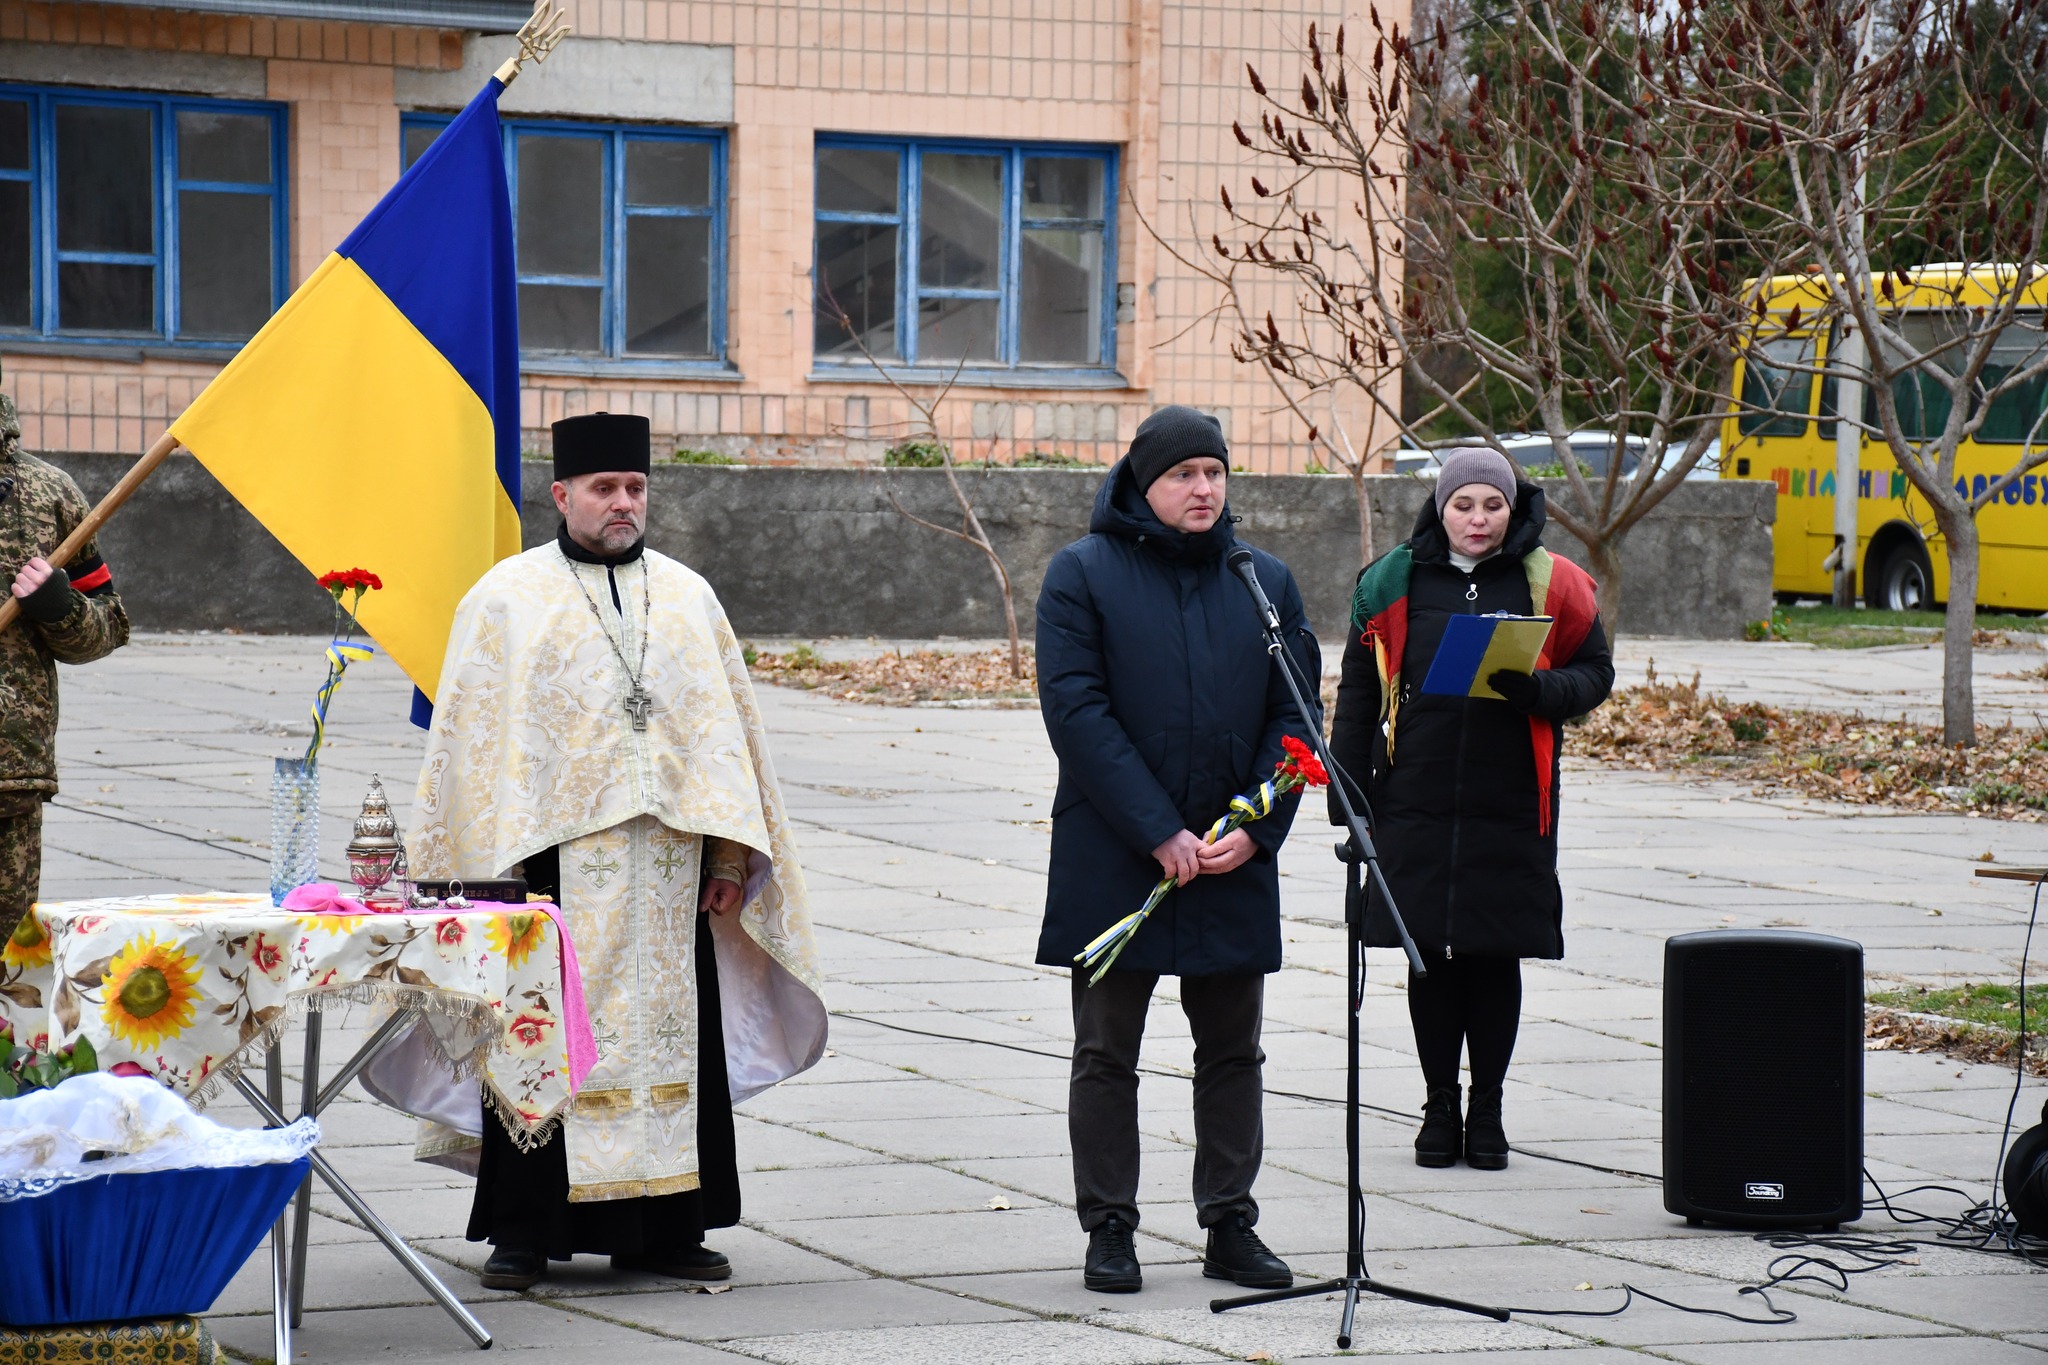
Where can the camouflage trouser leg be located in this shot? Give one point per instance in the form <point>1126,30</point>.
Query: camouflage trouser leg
<point>21,859</point>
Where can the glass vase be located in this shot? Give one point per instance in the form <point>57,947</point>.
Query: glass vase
<point>294,825</point>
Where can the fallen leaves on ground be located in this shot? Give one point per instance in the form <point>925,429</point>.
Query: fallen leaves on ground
<point>1887,1030</point>
<point>897,679</point>
<point>1671,726</point>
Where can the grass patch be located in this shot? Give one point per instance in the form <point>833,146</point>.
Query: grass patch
<point>932,455</point>
<point>1830,627</point>
<point>915,455</point>
<point>688,456</point>
<point>1988,1006</point>
<point>1051,459</point>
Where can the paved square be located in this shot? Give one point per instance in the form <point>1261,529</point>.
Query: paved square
<point>870,1233</point>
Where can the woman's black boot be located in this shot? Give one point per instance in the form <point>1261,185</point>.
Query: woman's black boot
<point>1486,1142</point>
<point>1442,1135</point>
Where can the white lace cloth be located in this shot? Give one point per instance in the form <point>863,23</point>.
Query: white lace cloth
<point>45,1134</point>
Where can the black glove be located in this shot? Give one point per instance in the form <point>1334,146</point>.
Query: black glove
<point>51,602</point>
<point>1521,690</point>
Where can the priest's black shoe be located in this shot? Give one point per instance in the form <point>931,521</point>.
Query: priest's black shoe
<point>700,1262</point>
<point>513,1268</point>
<point>1236,1253</point>
<point>1112,1265</point>
<point>1442,1136</point>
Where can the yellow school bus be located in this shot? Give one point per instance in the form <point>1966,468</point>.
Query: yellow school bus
<point>1784,431</point>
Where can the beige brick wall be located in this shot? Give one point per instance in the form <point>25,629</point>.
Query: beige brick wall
<point>1158,78</point>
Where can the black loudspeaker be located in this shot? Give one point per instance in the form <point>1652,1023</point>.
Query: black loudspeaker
<point>2026,1178</point>
<point>1763,1079</point>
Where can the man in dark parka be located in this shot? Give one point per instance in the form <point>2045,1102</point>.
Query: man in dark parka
<point>1161,702</point>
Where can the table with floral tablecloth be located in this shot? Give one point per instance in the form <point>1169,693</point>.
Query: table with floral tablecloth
<point>193,987</point>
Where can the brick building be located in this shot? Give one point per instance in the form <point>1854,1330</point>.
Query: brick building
<point>731,216</point>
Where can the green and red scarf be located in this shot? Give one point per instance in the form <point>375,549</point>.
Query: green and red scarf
<point>1380,610</point>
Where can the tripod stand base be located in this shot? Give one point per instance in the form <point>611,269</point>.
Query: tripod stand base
<point>1353,1286</point>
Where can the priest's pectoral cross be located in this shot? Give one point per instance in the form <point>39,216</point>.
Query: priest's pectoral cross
<point>637,702</point>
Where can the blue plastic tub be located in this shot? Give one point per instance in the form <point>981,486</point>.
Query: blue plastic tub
<point>149,1245</point>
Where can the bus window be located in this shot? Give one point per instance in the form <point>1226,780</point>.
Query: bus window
<point>1777,387</point>
<point>2015,414</point>
<point>1922,400</point>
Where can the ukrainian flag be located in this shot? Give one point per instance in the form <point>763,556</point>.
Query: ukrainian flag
<point>374,422</point>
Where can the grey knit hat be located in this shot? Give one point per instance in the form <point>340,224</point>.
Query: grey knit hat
<point>1468,465</point>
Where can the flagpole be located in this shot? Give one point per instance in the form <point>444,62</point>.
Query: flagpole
<point>540,35</point>
<point>110,504</point>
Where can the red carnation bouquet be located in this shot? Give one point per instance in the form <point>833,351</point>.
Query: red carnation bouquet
<point>1298,767</point>
<point>343,649</point>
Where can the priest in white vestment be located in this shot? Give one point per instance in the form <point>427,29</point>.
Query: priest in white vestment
<point>596,729</point>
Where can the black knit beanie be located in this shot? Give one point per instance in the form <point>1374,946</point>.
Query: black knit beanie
<point>1171,435</point>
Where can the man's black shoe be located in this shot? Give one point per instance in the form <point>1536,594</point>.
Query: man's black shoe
<point>1112,1266</point>
<point>698,1263</point>
<point>513,1268</point>
<point>1236,1253</point>
<point>1442,1136</point>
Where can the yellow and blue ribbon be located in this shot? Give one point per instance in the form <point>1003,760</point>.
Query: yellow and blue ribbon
<point>340,654</point>
<point>1107,946</point>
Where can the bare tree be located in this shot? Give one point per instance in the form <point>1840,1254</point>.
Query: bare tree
<point>1530,200</point>
<point>925,426</point>
<point>1908,151</point>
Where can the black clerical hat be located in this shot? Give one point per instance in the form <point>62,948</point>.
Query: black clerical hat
<point>602,443</point>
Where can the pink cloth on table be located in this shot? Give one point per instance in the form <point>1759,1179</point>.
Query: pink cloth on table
<point>325,898</point>
<point>582,1042</point>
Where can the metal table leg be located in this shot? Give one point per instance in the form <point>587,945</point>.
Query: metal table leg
<point>309,1094</point>
<point>289,1271</point>
<point>282,1318</point>
<point>280,1315</point>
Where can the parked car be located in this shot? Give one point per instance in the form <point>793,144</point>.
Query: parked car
<point>1536,452</point>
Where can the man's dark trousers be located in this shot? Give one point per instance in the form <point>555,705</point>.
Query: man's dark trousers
<point>1224,1015</point>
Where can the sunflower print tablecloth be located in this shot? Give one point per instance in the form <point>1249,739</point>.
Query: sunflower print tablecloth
<point>192,987</point>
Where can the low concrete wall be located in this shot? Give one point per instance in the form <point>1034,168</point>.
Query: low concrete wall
<point>821,551</point>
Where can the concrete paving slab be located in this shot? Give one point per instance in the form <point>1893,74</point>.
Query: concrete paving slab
<point>1025,1344</point>
<point>1563,1354</point>
<point>1859,1351</point>
<point>923,1245</point>
<point>426,1336</point>
<point>778,1310</point>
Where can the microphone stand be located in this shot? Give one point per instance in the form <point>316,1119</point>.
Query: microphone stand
<point>1357,853</point>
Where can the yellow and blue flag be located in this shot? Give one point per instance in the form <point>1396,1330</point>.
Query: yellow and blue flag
<point>374,422</point>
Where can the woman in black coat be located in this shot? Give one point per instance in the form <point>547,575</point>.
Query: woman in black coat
<point>1463,789</point>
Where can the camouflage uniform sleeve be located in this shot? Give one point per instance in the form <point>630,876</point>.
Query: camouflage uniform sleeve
<point>97,623</point>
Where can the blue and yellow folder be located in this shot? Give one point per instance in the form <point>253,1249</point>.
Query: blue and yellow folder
<point>1474,648</point>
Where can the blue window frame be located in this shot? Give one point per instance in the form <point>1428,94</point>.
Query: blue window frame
<point>938,255</point>
<point>130,217</point>
<point>619,234</point>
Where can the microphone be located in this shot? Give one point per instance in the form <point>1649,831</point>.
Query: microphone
<point>1240,561</point>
